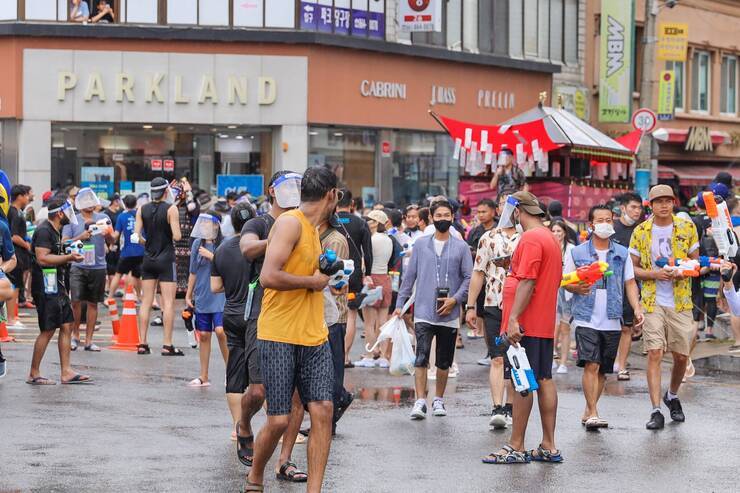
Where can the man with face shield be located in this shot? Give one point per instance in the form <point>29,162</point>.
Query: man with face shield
<point>597,309</point>
<point>50,293</point>
<point>291,331</point>
<point>157,228</point>
<point>88,278</point>
<point>283,193</point>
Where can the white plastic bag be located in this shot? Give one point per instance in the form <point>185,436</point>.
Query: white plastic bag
<point>402,356</point>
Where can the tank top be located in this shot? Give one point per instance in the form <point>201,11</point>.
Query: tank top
<point>157,231</point>
<point>296,316</point>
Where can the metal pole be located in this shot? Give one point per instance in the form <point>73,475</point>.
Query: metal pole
<point>648,75</point>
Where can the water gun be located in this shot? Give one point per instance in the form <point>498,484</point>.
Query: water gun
<point>337,269</point>
<point>589,274</point>
<point>522,375</point>
<point>583,236</point>
<point>102,227</point>
<point>368,296</point>
<point>722,231</point>
<point>187,317</point>
<point>30,230</point>
<point>685,267</point>
<point>73,247</point>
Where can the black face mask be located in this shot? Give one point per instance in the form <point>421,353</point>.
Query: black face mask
<point>443,226</point>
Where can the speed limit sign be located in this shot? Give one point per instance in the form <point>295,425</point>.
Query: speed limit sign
<point>644,119</point>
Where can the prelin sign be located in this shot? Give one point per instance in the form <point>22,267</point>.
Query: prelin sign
<point>420,15</point>
<point>615,74</point>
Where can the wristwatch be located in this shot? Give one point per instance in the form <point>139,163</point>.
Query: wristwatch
<point>471,307</point>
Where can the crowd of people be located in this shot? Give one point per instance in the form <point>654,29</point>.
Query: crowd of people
<point>255,279</point>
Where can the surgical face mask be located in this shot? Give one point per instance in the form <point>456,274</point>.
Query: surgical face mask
<point>604,230</point>
<point>628,220</point>
<point>288,190</point>
<point>443,225</point>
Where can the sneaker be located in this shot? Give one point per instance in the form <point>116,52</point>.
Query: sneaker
<point>562,370</point>
<point>454,371</point>
<point>675,406</point>
<point>73,345</point>
<point>432,373</point>
<point>17,324</point>
<point>365,363</point>
<point>498,418</point>
<point>191,339</point>
<point>554,364</point>
<point>3,368</point>
<point>657,421</point>
<point>157,322</point>
<point>92,347</point>
<point>382,363</point>
<point>484,361</point>
<point>507,413</point>
<point>420,410</point>
<point>438,407</point>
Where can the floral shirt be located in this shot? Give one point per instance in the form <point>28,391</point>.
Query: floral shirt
<point>494,243</point>
<point>684,241</point>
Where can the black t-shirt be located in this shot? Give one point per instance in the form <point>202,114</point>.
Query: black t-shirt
<point>358,237</point>
<point>18,227</point>
<point>235,271</point>
<point>475,235</point>
<point>622,233</point>
<point>259,226</point>
<point>46,237</point>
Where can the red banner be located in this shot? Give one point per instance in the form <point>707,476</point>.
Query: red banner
<point>577,200</point>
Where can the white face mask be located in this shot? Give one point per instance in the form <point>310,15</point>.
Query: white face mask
<point>628,220</point>
<point>604,230</point>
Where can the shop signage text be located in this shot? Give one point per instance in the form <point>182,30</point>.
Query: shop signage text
<point>442,95</point>
<point>673,40</point>
<point>699,139</point>
<point>420,15</point>
<point>666,95</point>
<point>497,100</point>
<point>615,88</point>
<point>382,89</point>
<point>126,88</point>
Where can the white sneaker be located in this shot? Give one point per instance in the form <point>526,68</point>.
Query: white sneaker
<point>484,361</point>
<point>562,369</point>
<point>420,409</point>
<point>73,345</point>
<point>454,371</point>
<point>554,364</point>
<point>438,407</point>
<point>191,339</point>
<point>365,363</point>
<point>17,325</point>
<point>432,374</point>
<point>382,363</point>
<point>92,347</point>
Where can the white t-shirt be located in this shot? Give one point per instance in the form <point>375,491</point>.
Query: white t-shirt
<point>599,319</point>
<point>454,324</point>
<point>439,245</point>
<point>382,251</point>
<point>662,247</point>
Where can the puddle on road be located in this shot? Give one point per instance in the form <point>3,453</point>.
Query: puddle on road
<point>394,395</point>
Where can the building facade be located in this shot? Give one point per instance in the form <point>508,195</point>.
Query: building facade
<point>217,88</point>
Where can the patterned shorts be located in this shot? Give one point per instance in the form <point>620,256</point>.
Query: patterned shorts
<point>286,367</point>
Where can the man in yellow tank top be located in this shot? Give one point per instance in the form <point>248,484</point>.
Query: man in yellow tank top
<point>291,333</point>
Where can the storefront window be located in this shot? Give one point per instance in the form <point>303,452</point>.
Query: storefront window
<point>679,77</point>
<point>120,158</point>
<point>349,153</point>
<point>422,166</point>
<point>700,81</point>
<point>728,96</point>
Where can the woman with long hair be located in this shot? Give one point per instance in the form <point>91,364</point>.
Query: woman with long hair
<point>559,229</point>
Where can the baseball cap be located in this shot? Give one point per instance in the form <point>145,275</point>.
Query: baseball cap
<point>659,191</point>
<point>529,203</point>
<point>378,216</point>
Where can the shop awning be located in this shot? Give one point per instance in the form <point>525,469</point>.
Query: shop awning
<point>679,135</point>
<point>631,140</point>
<point>695,175</point>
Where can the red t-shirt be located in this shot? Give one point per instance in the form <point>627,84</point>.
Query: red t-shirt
<point>538,257</point>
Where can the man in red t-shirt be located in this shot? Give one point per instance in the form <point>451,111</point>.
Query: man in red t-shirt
<point>530,300</point>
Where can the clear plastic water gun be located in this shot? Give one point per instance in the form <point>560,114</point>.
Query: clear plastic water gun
<point>685,267</point>
<point>368,296</point>
<point>722,231</point>
<point>522,375</point>
<point>71,247</point>
<point>102,227</point>
<point>337,269</point>
<point>589,274</point>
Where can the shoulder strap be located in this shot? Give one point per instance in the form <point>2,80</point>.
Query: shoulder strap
<point>325,234</point>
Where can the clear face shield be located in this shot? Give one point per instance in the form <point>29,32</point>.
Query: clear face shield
<point>86,199</point>
<point>68,211</point>
<point>206,227</point>
<point>288,190</point>
<point>507,215</point>
<point>143,199</point>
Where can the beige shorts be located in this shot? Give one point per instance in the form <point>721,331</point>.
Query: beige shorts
<point>668,330</point>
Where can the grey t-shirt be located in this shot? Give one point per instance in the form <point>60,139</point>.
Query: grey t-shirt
<point>97,241</point>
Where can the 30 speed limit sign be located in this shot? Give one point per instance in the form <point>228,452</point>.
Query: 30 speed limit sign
<point>644,119</point>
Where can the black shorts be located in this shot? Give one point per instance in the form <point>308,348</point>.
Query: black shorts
<point>15,277</point>
<point>87,284</point>
<point>539,354</point>
<point>492,320</point>
<point>130,265</point>
<point>355,282</point>
<point>53,311</point>
<point>290,366</point>
<point>628,315</point>
<point>480,310</point>
<point>445,351</point>
<point>111,260</point>
<point>162,270</point>
<point>241,368</point>
<point>597,346</point>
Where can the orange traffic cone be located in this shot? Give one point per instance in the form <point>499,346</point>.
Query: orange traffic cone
<point>113,312</point>
<point>4,336</point>
<point>128,334</point>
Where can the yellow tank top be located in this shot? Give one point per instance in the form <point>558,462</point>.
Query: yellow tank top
<point>296,316</point>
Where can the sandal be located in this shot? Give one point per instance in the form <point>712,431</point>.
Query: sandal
<point>294,475</point>
<point>592,423</point>
<point>77,379</point>
<point>143,349</point>
<point>250,486</point>
<point>40,381</point>
<point>244,448</point>
<point>171,351</point>
<point>510,456</point>
<point>623,375</point>
<point>545,455</point>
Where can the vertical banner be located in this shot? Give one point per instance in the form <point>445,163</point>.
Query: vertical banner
<point>342,16</point>
<point>309,15</point>
<point>615,74</point>
<point>666,95</point>
<point>325,20</point>
<point>673,41</point>
<point>359,18</point>
<point>376,19</point>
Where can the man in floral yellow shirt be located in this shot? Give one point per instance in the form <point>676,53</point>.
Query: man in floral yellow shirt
<point>666,297</point>
<point>491,263</point>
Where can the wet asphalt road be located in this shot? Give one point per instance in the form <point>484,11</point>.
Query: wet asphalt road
<point>139,428</point>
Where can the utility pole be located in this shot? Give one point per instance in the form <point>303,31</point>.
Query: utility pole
<point>645,154</point>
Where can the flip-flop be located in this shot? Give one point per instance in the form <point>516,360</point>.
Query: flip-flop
<point>40,381</point>
<point>592,423</point>
<point>197,382</point>
<point>78,380</point>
